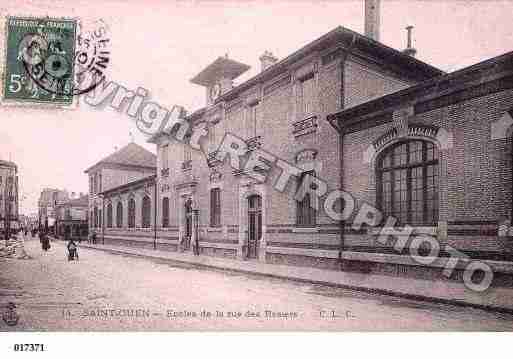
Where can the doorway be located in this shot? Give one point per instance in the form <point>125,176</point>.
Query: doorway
<point>254,225</point>
<point>188,224</point>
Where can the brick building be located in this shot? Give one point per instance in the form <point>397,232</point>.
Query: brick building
<point>9,205</point>
<point>115,199</point>
<point>429,148</point>
<point>438,157</point>
<point>281,110</point>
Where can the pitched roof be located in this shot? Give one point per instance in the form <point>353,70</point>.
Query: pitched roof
<point>8,164</point>
<point>353,42</point>
<point>474,75</point>
<point>130,155</point>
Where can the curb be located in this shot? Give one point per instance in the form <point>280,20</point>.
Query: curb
<point>417,297</point>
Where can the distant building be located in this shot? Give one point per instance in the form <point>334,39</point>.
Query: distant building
<point>71,218</point>
<point>48,200</point>
<point>9,203</point>
<point>118,188</point>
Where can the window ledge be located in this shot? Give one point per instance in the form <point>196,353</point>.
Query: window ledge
<point>305,230</point>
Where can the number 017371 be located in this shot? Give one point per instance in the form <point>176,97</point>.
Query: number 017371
<point>29,348</point>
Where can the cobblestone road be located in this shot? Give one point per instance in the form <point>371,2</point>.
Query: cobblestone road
<point>105,291</point>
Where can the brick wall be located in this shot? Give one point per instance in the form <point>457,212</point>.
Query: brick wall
<point>276,115</point>
<point>363,82</point>
<point>475,174</point>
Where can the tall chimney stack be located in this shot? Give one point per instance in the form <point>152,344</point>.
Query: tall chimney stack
<point>410,50</point>
<point>372,15</point>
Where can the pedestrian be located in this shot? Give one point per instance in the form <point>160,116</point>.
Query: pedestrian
<point>45,242</point>
<point>72,250</point>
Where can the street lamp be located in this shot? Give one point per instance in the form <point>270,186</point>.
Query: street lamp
<point>195,216</point>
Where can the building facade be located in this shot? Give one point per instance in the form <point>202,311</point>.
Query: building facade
<point>282,110</point>
<point>432,150</point>
<point>131,164</point>
<point>72,217</point>
<point>9,205</point>
<point>48,200</point>
<point>438,158</point>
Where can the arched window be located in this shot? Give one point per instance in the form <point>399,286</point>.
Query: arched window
<point>407,182</point>
<point>109,215</point>
<point>146,212</point>
<point>119,215</point>
<point>165,212</point>
<point>131,213</point>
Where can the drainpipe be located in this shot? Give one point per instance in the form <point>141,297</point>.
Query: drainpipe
<point>341,132</point>
<point>155,215</point>
<point>103,220</point>
<point>511,216</point>
<point>342,221</point>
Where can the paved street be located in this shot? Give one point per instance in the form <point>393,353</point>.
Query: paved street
<point>105,291</point>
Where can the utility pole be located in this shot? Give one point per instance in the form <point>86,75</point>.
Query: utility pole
<point>8,201</point>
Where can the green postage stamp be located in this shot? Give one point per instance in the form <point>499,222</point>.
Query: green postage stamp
<point>39,60</point>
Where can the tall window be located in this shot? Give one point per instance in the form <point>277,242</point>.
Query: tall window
<point>131,213</point>
<point>109,215</point>
<point>100,218</point>
<point>119,215</point>
<point>165,157</point>
<point>211,137</point>
<point>305,213</point>
<point>251,120</point>
<point>165,212</point>
<point>146,212</point>
<point>306,94</point>
<point>91,184</point>
<point>99,182</point>
<point>215,207</point>
<point>91,219</point>
<point>95,185</point>
<point>187,155</point>
<point>407,182</point>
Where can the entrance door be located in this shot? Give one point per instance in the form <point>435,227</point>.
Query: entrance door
<point>254,225</point>
<point>188,224</point>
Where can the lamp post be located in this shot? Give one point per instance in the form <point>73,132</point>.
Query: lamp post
<point>9,198</point>
<point>195,216</point>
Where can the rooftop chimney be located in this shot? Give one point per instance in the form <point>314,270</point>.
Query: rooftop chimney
<point>267,60</point>
<point>372,16</point>
<point>410,50</point>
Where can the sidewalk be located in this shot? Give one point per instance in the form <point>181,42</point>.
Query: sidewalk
<point>447,292</point>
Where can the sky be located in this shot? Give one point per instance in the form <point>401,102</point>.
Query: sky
<point>161,45</point>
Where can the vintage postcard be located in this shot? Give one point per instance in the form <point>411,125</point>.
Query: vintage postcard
<point>283,166</point>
